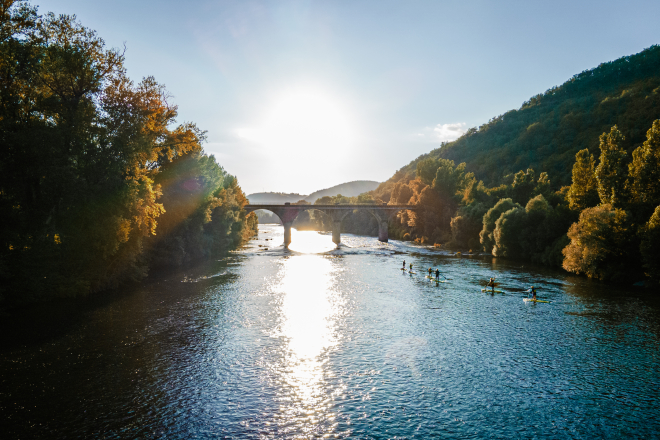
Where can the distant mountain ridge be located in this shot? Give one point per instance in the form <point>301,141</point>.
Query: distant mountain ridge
<point>348,189</point>
<point>266,198</point>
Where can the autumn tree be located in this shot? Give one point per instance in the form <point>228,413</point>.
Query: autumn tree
<point>602,244</point>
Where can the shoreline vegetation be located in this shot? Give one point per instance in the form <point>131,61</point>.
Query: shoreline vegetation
<point>98,181</point>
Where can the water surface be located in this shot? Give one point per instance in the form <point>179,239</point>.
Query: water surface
<point>319,342</point>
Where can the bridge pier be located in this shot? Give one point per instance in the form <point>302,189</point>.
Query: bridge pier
<point>287,233</point>
<point>336,232</point>
<point>382,231</point>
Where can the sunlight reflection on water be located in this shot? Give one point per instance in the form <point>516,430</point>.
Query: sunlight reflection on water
<point>311,242</point>
<point>309,308</point>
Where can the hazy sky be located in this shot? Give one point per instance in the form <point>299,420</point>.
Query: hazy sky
<point>298,96</point>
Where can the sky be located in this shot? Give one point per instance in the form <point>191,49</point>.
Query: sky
<point>298,96</point>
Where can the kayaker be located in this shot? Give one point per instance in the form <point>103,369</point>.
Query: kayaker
<point>533,292</point>
<point>491,284</point>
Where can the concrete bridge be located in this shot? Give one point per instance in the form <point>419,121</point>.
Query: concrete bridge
<point>288,213</point>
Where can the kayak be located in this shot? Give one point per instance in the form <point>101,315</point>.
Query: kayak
<point>535,300</point>
<point>437,280</point>
<point>496,291</point>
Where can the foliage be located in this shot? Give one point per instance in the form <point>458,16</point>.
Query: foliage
<point>650,243</point>
<point>523,185</point>
<point>84,147</point>
<point>610,172</point>
<point>644,172</point>
<point>486,237</point>
<point>449,179</point>
<point>536,233</point>
<point>602,244</point>
<point>583,192</point>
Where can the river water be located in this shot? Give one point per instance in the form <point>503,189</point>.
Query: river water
<point>318,342</point>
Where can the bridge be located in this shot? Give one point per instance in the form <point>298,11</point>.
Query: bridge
<point>288,213</point>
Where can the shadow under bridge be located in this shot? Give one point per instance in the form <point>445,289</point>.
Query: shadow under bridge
<point>288,213</point>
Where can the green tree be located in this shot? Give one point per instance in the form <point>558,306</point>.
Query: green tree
<point>650,244</point>
<point>506,238</point>
<point>602,244</point>
<point>450,179</point>
<point>583,192</point>
<point>644,172</point>
<point>611,170</point>
<point>523,186</point>
<point>490,218</point>
<point>426,170</point>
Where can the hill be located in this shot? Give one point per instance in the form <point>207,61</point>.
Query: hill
<point>274,198</point>
<point>349,189</point>
<point>548,130</point>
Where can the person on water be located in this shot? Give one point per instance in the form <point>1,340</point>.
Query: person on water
<point>437,274</point>
<point>491,284</point>
<point>533,292</point>
<point>410,267</point>
<point>430,272</point>
<point>404,265</point>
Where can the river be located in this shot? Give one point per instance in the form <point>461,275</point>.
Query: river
<point>318,342</point>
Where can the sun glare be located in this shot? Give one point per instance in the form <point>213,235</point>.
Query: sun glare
<point>303,121</point>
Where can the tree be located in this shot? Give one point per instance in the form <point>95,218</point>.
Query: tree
<point>611,171</point>
<point>486,235</point>
<point>506,238</point>
<point>450,179</point>
<point>650,244</point>
<point>644,172</point>
<point>426,170</point>
<point>83,152</point>
<point>602,244</point>
<point>583,192</point>
<point>523,186</point>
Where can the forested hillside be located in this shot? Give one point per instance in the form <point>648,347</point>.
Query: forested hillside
<point>599,133</point>
<point>549,129</point>
<point>98,182</point>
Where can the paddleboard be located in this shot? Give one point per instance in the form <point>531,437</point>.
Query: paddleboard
<point>412,273</point>
<point>403,269</point>
<point>496,291</point>
<point>535,300</point>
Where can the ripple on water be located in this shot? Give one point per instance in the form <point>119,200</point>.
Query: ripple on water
<point>317,341</point>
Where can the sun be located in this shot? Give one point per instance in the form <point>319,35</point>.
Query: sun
<point>306,121</point>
